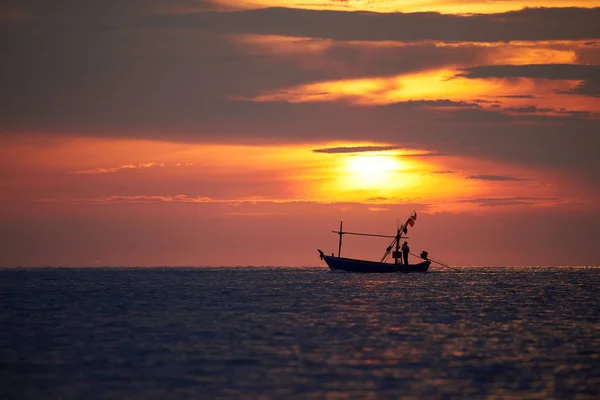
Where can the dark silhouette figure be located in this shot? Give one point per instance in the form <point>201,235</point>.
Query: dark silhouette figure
<point>405,251</point>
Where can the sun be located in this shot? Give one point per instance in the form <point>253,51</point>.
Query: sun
<point>370,172</point>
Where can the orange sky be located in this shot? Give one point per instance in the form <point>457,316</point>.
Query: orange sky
<point>444,6</point>
<point>235,138</point>
<point>95,171</point>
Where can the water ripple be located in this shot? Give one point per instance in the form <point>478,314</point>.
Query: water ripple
<point>522,333</point>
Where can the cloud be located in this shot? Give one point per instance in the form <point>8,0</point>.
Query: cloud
<point>442,103</point>
<point>119,168</point>
<point>378,209</point>
<point>516,96</point>
<point>495,178</point>
<point>180,198</point>
<point>529,109</point>
<point>361,149</point>
<point>177,198</point>
<point>486,101</point>
<point>357,149</point>
<point>176,84</point>
<point>510,201</point>
<point>523,114</point>
<point>567,141</point>
<point>66,10</point>
<point>589,87</point>
<point>588,74</point>
<point>430,154</point>
<point>526,24</point>
<point>547,110</point>
<point>538,71</point>
<point>379,199</point>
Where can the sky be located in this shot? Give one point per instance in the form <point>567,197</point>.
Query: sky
<point>234,133</point>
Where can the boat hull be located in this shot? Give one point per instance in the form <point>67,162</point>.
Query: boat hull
<point>362,266</point>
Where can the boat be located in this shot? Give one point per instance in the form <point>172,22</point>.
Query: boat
<point>353,265</point>
<point>340,263</point>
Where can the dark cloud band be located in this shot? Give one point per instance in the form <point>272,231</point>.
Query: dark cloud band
<point>527,24</point>
<point>495,178</point>
<point>589,75</point>
<point>357,149</point>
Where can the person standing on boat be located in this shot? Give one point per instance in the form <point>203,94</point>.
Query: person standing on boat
<point>405,251</point>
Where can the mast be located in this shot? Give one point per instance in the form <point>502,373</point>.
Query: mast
<point>340,246</point>
<point>396,242</point>
<point>397,246</point>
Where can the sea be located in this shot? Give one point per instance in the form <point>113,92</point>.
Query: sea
<point>299,333</point>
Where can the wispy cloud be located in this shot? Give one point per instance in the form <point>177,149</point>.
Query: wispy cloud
<point>429,154</point>
<point>119,168</point>
<point>540,71</point>
<point>495,178</point>
<point>441,103</point>
<point>376,209</point>
<point>378,199</point>
<point>179,198</point>
<point>510,201</point>
<point>529,109</point>
<point>168,198</point>
<point>517,96</point>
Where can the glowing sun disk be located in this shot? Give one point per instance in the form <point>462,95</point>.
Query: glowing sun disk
<point>371,171</point>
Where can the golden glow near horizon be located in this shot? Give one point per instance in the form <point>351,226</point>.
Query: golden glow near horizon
<point>94,171</point>
<point>407,6</point>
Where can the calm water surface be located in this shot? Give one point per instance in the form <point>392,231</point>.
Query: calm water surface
<point>189,333</point>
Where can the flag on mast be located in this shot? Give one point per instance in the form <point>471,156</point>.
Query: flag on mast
<point>411,220</point>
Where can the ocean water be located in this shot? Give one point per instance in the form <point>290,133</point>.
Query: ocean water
<point>261,333</point>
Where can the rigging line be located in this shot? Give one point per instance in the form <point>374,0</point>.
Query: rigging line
<point>438,262</point>
<point>363,234</point>
<point>388,249</point>
<point>497,280</point>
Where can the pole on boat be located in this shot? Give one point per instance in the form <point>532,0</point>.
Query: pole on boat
<point>365,234</point>
<point>340,246</point>
<point>387,251</point>
<point>397,246</point>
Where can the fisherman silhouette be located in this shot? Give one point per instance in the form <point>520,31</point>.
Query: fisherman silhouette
<point>405,251</point>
